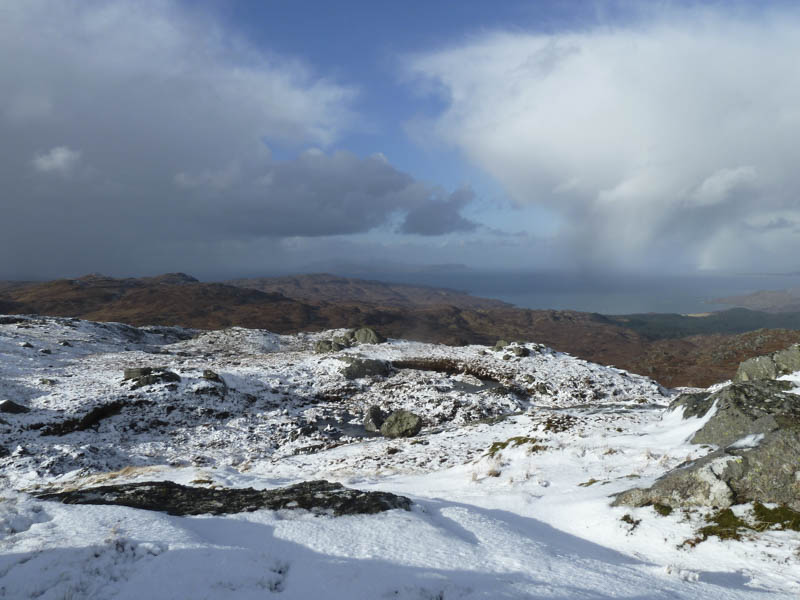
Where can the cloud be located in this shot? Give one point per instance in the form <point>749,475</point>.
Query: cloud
<point>60,159</point>
<point>654,142</point>
<point>176,116</point>
<point>440,215</point>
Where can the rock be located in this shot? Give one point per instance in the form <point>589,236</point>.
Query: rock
<point>401,423</point>
<point>374,418</point>
<point>88,421</point>
<point>364,367</point>
<point>210,375</point>
<point>771,366</point>
<point>321,497</point>
<point>520,351</point>
<point>136,372</point>
<point>4,452</point>
<point>45,351</point>
<point>46,381</point>
<point>26,345</point>
<point>11,407</point>
<point>366,335</point>
<point>142,376</point>
<point>756,427</point>
<point>323,346</point>
<point>344,341</point>
<point>500,344</point>
<point>65,343</point>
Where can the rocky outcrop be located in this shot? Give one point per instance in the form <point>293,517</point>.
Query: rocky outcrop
<point>321,497</point>
<point>359,368</point>
<point>770,366</point>
<point>353,337</point>
<point>756,428</point>
<point>401,423</point>
<point>11,407</point>
<point>89,421</point>
<point>374,417</point>
<point>142,376</point>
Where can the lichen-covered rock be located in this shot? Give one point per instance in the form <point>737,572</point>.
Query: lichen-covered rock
<point>748,408</point>
<point>321,497</point>
<point>374,417</point>
<point>770,366</point>
<point>401,423</point>
<point>364,367</point>
<point>756,427</point>
<point>367,335</point>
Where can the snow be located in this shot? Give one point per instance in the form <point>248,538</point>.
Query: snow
<point>530,520</point>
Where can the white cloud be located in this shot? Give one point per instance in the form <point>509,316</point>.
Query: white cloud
<point>718,187</point>
<point>651,141</point>
<point>61,160</point>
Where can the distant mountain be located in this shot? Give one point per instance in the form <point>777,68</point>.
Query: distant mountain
<point>325,288</point>
<point>673,349</point>
<point>773,301</point>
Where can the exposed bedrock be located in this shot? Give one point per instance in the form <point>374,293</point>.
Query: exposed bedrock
<point>756,429</point>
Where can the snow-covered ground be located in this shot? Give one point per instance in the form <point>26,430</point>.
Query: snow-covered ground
<point>510,477</point>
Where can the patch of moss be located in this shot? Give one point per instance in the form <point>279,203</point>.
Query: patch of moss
<point>514,442</point>
<point>662,509</point>
<point>780,517</point>
<point>725,525</point>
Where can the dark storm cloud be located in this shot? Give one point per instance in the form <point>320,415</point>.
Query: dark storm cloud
<point>134,137</point>
<point>440,215</point>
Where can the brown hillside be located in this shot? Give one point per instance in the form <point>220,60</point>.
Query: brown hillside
<point>177,299</point>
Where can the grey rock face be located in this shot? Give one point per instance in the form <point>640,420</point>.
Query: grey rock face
<point>322,497</point>
<point>401,423</point>
<point>374,418</point>
<point>365,367</point>
<point>757,429</point>
<point>770,366</point>
<point>367,335</point>
<point>11,407</point>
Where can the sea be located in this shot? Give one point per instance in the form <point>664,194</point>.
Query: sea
<point>610,294</point>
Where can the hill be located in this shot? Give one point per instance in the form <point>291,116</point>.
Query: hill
<point>673,349</point>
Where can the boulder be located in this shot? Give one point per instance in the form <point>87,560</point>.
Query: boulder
<point>519,351</point>
<point>367,335</point>
<point>401,423</point>
<point>142,376</point>
<point>373,419</point>
<point>323,346</point>
<point>321,497</point>
<point>770,366</point>
<point>11,407</point>
<point>500,344</point>
<point>756,428</point>
<point>210,375</point>
<point>364,367</point>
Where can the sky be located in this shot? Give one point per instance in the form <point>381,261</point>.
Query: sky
<point>243,138</point>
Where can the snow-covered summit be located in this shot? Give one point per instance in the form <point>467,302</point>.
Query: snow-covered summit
<point>510,475</point>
